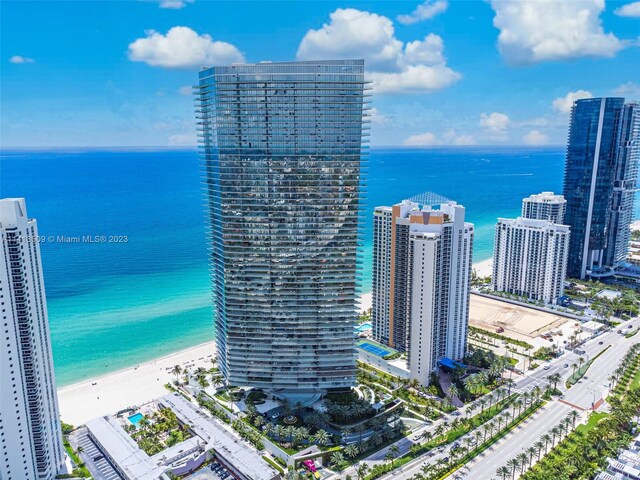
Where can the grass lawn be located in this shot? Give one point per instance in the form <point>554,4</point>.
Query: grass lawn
<point>594,418</point>
<point>636,380</point>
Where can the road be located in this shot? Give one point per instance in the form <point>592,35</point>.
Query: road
<point>590,390</point>
<point>593,387</point>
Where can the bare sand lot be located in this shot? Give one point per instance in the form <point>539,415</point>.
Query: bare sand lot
<point>518,322</point>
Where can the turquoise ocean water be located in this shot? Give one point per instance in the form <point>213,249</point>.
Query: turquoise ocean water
<point>113,305</point>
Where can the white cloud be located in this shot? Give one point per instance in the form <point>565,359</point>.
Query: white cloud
<point>464,140</point>
<point>424,11</point>
<point>21,59</point>
<point>535,137</point>
<point>541,30</point>
<point>629,10</point>
<point>181,47</point>
<point>630,90</point>
<point>379,118</point>
<point>450,137</point>
<point>174,4</point>
<point>564,104</point>
<point>183,139</point>
<point>186,90</point>
<point>426,138</point>
<point>418,66</point>
<point>495,122</point>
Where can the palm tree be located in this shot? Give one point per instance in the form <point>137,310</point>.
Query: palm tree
<point>351,451</point>
<point>483,403</point>
<point>289,432</point>
<point>477,436</point>
<point>503,472</point>
<point>280,432</point>
<point>337,459</point>
<point>394,450</point>
<point>531,451</point>
<point>176,370</point>
<point>522,458</point>
<point>513,464</point>
<point>426,436</point>
<point>389,458</point>
<point>573,415</point>
<point>453,392</point>
<point>546,438</point>
<point>554,379</point>
<point>321,437</point>
<point>539,445</point>
<point>361,470</point>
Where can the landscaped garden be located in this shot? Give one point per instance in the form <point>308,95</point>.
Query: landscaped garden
<point>585,451</point>
<point>158,431</point>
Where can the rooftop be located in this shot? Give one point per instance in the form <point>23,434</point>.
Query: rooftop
<point>122,450</point>
<point>235,452</point>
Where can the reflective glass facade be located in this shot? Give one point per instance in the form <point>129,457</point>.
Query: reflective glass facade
<point>588,180</point>
<point>624,187</point>
<point>282,154</point>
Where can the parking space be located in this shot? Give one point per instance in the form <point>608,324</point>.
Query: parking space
<point>213,471</point>
<point>97,464</point>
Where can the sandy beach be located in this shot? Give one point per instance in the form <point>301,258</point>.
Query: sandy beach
<point>132,386</point>
<point>484,268</point>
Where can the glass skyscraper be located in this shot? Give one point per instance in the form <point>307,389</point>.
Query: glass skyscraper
<point>600,161</point>
<point>282,153</point>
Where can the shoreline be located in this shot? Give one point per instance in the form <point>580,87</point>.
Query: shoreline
<point>136,385</point>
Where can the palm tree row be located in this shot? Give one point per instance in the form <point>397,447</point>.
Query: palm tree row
<point>524,460</point>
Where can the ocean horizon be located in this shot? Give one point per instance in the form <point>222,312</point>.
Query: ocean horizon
<point>146,294</point>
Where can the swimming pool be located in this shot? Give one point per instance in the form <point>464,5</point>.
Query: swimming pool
<point>135,419</point>
<point>363,327</point>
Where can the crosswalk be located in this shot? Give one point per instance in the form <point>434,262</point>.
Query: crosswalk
<point>102,469</point>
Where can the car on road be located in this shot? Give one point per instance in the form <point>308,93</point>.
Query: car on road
<point>629,326</point>
<point>546,367</point>
<point>600,342</point>
<point>566,365</point>
<point>619,331</point>
<point>445,459</point>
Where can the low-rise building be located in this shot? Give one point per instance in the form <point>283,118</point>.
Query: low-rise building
<point>209,439</point>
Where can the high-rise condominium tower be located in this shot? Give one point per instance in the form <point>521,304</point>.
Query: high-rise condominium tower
<point>625,178</point>
<point>600,175</point>
<point>421,274</point>
<point>530,252</point>
<point>545,206</point>
<point>30,435</point>
<point>281,145</point>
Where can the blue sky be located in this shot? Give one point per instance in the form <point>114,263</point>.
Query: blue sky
<point>100,73</point>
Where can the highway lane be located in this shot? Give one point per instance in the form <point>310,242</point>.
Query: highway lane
<point>590,389</point>
<point>593,387</point>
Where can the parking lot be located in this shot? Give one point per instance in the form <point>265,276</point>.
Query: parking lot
<point>213,471</point>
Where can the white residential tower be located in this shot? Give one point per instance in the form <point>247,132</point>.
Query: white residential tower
<point>30,434</point>
<point>531,252</point>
